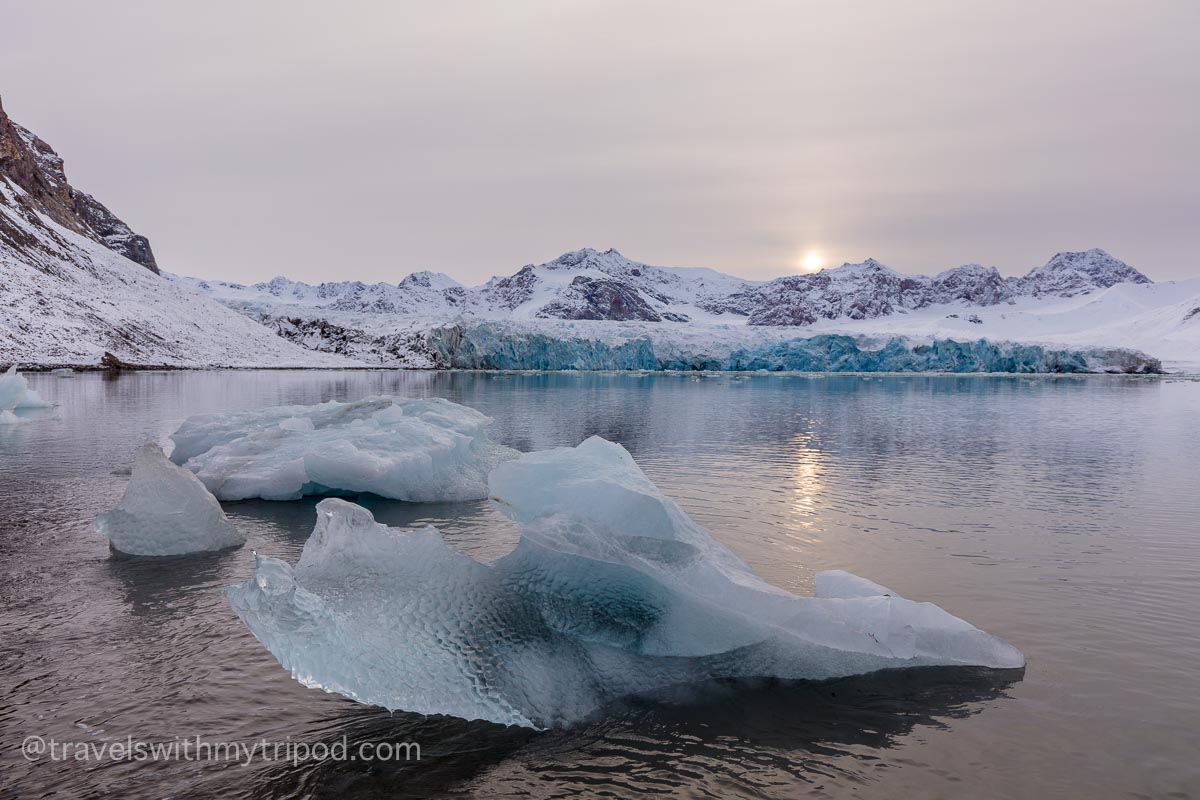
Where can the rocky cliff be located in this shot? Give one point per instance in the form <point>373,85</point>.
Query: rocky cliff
<point>31,164</point>
<point>79,288</point>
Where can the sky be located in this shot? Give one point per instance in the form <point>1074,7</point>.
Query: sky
<point>353,140</point>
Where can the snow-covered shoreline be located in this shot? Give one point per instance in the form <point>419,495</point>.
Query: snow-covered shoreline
<point>681,374</point>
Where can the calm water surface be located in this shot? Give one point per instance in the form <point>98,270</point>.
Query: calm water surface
<point>1058,513</point>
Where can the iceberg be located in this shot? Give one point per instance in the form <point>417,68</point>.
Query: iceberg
<point>612,590</point>
<point>165,511</point>
<point>415,450</point>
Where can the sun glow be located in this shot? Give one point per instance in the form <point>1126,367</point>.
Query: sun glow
<point>811,262</point>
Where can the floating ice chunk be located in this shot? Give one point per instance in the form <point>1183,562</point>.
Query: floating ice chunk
<point>400,620</point>
<point>9,418</point>
<point>63,372</point>
<point>644,576</point>
<point>15,393</point>
<point>12,389</point>
<point>165,511</point>
<point>417,450</point>
<point>611,590</point>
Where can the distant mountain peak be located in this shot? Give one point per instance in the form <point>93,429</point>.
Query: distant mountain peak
<point>847,268</point>
<point>1074,272</point>
<point>589,257</point>
<point>429,280</point>
<point>965,268</point>
<point>1094,261</point>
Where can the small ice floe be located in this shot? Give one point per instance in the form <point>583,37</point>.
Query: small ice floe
<point>15,393</point>
<point>165,511</point>
<point>63,372</point>
<point>416,450</point>
<point>611,590</point>
<point>12,389</point>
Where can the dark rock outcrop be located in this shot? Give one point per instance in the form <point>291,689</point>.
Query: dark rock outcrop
<point>512,291</point>
<point>600,298</point>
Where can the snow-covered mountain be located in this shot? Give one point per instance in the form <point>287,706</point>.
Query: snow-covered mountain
<point>695,316</point>
<point>587,284</point>
<point>76,283</point>
<point>80,287</point>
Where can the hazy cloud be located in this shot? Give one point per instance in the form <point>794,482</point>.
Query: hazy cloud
<point>367,140</point>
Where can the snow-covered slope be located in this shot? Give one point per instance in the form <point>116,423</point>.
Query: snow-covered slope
<point>690,316</point>
<point>70,293</point>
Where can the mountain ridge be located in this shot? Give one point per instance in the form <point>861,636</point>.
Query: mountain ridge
<point>605,285</point>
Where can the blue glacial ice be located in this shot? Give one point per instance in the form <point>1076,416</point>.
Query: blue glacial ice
<point>165,511</point>
<point>611,590</point>
<point>416,450</point>
<point>500,346</point>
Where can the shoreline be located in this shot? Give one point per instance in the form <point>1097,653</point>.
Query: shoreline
<point>28,368</point>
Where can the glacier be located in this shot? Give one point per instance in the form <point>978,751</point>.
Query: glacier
<point>416,450</point>
<point>611,590</point>
<point>509,347</point>
<point>165,511</point>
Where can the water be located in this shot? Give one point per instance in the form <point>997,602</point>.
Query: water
<point>1058,513</point>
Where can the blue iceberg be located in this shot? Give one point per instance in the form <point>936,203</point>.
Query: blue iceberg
<point>612,590</point>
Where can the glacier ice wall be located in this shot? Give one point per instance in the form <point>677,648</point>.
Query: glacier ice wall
<point>165,511</point>
<point>501,346</point>
<point>611,590</point>
<point>416,450</point>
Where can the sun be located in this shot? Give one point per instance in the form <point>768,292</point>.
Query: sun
<point>811,261</point>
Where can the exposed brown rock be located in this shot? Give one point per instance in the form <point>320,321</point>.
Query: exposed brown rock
<point>112,362</point>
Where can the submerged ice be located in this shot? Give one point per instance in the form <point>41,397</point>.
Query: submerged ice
<point>165,511</point>
<point>611,590</point>
<point>416,450</point>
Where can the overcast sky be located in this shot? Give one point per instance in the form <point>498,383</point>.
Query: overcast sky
<point>330,141</point>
